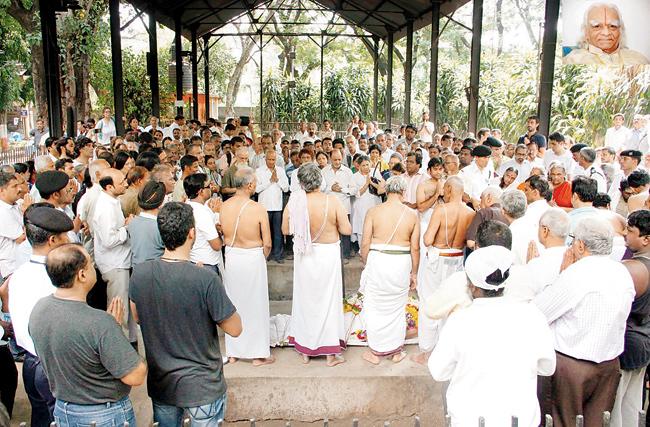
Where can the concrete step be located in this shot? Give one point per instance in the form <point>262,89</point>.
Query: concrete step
<point>280,278</point>
<point>289,390</point>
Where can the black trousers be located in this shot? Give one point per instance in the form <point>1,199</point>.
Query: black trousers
<point>275,221</point>
<point>8,378</point>
<point>345,244</point>
<point>38,391</point>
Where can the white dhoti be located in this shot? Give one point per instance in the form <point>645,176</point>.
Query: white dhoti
<point>438,265</point>
<point>317,327</point>
<point>247,287</point>
<point>385,286</point>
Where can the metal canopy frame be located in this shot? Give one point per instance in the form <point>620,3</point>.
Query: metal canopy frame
<point>380,20</point>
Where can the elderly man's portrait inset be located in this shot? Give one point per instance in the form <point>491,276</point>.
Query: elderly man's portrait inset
<point>609,33</point>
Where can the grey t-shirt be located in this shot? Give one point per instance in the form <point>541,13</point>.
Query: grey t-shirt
<point>179,305</point>
<point>146,243</point>
<point>83,351</point>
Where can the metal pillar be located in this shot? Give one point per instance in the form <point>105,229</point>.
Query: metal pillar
<point>389,79</point>
<point>548,65</point>
<point>154,84</point>
<point>433,66</point>
<point>52,69</point>
<point>195,78</point>
<point>116,62</point>
<point>322,48</point>
<point>206,73</point>
<point>261,119</point>
<point>375,78</point>
<point>475,66</point>
<point>408,71</point>
<point>179,63</point>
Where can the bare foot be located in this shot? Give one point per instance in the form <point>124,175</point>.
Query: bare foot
<point>398,357</point>
<point>369,357</point>
<point>260,362</point>
<point>421,357</point>
<point>334,360</point>
<point>232,359</point>
<point>305,359</point>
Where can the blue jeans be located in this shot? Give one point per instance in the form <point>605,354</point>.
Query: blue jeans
<point>38,391</point>
<point>109,414</point>
<point>201,416</point>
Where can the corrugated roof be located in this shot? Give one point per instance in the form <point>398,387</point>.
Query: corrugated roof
<point>377,17</point>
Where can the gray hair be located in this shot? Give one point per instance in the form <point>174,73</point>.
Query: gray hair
<point>310,177</point>
<point>363,158</point>
<point>582,42</point>
<point>589,154</point>
<point>398,156</point>
<point>41,162</point>
<point>597,234</point>
<point>243,176</point>
<point>493,191</point>
<point>557,221</point>
<point>557,165</point>
<point>396,185</point>
<point>513,203</point>
<point>7,169</point>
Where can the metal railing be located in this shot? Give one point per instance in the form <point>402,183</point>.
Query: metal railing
<point>580,422</point>
<point>19,154</point>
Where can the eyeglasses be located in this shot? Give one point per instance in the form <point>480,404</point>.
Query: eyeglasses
<point>571,239</point>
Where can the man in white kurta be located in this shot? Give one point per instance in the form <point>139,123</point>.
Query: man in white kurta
<point>493,350</point>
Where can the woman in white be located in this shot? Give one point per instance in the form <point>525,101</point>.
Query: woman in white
<point>364,199</point>
<point>105,128</point>
<point>390,250</point>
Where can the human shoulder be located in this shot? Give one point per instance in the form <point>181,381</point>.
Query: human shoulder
<point>632,57</point>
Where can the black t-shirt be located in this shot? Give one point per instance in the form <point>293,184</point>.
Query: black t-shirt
<point>83,351</point>
<point>179,305</point>
<point>538,139</point>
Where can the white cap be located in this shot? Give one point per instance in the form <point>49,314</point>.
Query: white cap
<point>483,262</point>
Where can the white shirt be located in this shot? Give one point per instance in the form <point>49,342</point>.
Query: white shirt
<point>593,172</point>
<point>205,221</point>
<point>386,155</point>
<point>615,138</point>
<point>475,180</point>
<point>587,308</point>
<point>565,160</point>
<point>491,352</point>
<point>426,132</point>
<point>12,228</point>
<point>111,239</point>
<point>522,234</point>
<point>270,193</point>
<point>412,182</point>
<point>342,176</point>
<point>545,269</point>
<point>523,169</point>
<point>107,130</point>
<point>27,286</point>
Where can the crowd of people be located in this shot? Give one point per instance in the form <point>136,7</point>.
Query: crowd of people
<point>529,258</point>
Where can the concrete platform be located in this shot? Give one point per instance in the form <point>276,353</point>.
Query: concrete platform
<point>280,278</point>
<point>288,390</point>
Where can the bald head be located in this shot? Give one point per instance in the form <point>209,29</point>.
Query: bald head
<point>455,185</point>
<point>96,168</point>
<point>113,182</point>
<point>65,263</point>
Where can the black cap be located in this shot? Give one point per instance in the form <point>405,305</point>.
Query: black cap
<point>631,153</point>
<point>49,182</point>
<point>152,195</point>
<point>481,151</point>
<point>577,147</point>
<point>49,219</point>
<point>492,142</point>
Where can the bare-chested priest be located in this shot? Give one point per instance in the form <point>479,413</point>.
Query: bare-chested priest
<point>390,250</point>
<point>316,221</point>
<point>247,237</point>
<point>445,239</point>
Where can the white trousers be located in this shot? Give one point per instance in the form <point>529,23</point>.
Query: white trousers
<point>629,396</point>
<point>117,285</point>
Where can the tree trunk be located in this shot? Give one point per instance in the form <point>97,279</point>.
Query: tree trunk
<point>499,26</point>
<point>526,19</point>
<point>235,78</point>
